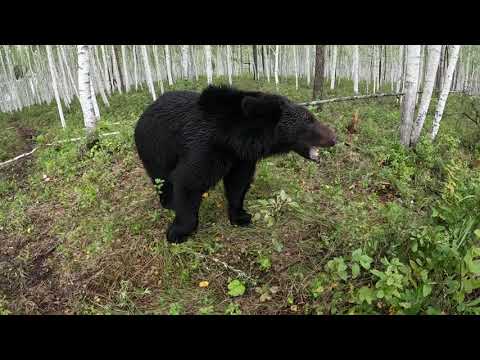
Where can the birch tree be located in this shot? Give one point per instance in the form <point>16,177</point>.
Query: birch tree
<point>84,88</point>
<point>411,84</point>
<point>295,60</point>
<point>184,49</point>
<point>307,65</point>
<point>116,72</point>
<point>433,61</point>
<point>169,65</point>
<point>208,63</point>
<point>333,67</point>
<point>54,84</point>
<point>356,69</point>
<point>229,64</point>
<point>447,83</point>
<point>148,71</point>
<point>125,71</point>
<point>277,49</point>
<point>157,68</point>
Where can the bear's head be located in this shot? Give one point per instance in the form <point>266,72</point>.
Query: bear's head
<point>295,128</point>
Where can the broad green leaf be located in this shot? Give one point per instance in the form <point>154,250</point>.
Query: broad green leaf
<point>355,271</point>
<point>427,289</point>
<point>366,294</point>
<point>236,288</point>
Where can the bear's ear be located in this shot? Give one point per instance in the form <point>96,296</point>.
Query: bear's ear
<point>261,110</point>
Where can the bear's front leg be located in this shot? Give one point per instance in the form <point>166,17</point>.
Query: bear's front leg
<point>237,182</point>
<point>186,203</point>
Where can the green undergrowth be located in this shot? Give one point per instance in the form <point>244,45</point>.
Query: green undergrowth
<point>372,229</point>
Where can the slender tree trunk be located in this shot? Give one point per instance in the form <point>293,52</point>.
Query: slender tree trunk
<point>54,84</point>
<point>333,67</point>
<point>84,88</point>
<point>432,67</point>
<point>184,49</point>
<point>255,62</point>
<point>158,68</point>
<point>229,64</point>
<point>319,71</point>
<point>445,90</point>
<point>96,110</point>
<point>208,63</point>
<point>277,49</point>
<point>411,84</point>
<point>267,62</point>
<point>95,77</point>
<point>116,72</point>
<point>308,66</point>
<point>356,68</point>
<point>125,70</point>
<point>295,60</point>
<point>169,65</point>
<point>194,62</point>
<point>148,72</point>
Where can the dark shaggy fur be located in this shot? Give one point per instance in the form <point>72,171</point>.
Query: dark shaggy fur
<point>191,141</point>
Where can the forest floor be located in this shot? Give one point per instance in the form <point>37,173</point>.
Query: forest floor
<point>362,232</point>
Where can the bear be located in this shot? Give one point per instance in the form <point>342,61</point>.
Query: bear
<point>193,140</point>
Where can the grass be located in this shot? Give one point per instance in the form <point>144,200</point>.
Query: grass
<point>82,231</point>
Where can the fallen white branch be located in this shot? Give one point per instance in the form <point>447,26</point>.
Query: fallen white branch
<point>51,144</point>
<point>18,157</point>
<point>240,273</point>
<point>357,97</point>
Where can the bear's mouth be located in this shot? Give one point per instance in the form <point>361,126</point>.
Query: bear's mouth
<point>313,153</point>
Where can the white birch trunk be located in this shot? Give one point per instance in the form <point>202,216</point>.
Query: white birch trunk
<point>106,76</point>
<point>447,83</point>
<point>116,72</point>
<point>208,62</point>
<point>169,65</point>
<point>157,66</point>
<point>295,60</point>
<point>95,77</point>
<point>184,49</point>
<point>267,62</point>
<point>431,73</point>
<point>135,67</point>
<point>333,67</point>
<point>148,72</point>
<point>54,84</point>
<point>277,49</point>
<point>96,110</point>
<point>125,69</point>
<point>411,85</point>
<point>229,64</point>
<point>356,68</point>
<point>84,88</point>
<point>194,62</point>
<point>308,66</point>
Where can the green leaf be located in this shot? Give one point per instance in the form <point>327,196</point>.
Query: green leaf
<point>236,288</point>
<point>477,233</point>
<point>366,294</point>
<point>380,294</point>
<point>377,273</point>
<point>426,290</point>
<point>365,261</point>
<point>355,271</point>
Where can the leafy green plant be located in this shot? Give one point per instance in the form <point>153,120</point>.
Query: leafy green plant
<point>236,288</point>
